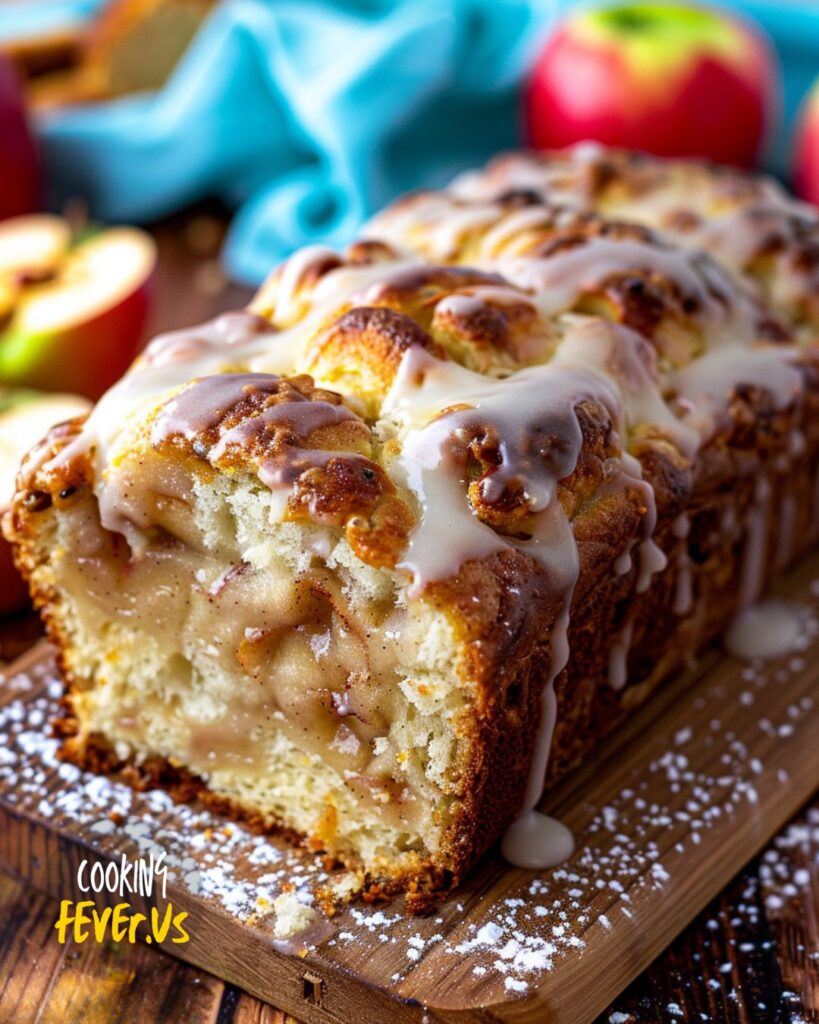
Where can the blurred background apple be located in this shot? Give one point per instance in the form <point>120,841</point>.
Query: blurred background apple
<point>19,171</point>
<point>806,148</point>
<point>669,79</point>
<point>72,314</point>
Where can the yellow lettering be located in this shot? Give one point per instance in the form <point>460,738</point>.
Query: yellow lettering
<point>177,923</point>
<point>118,925</point>
<point>101,923</point>
<point>136,920</point>
<point>161,931</point>
<point>81,919</point>
<point>64,920</point>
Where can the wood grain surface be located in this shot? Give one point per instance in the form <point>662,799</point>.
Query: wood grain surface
<point>772,955</point>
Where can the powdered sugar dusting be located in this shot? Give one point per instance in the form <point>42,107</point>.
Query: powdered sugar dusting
<point>219,860</point>
<point>694,783</point>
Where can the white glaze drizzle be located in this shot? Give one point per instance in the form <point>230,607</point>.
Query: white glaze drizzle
<point>512,229</point>
<point>450,533</point>
<point>232,341</point>
<point>591,345</point>
<point>618,656</point>
<point>631,363</point>
<point>555,177</point>
<point>459,221</point>
<point>476,297</point>
<point>754,560</point>
<point>624,562</point>
<point>537,841</point>
<point>204,402</point>
<point>532,401</point>
<point>433,215</point>
<point>291,275</point>
<point>766,630</point>
<point>558,280</point>
<point>617,374</point>
<point>169,362</point>
<point>703,388</point>
<point>541,398</point>
<point>732,228</point>
<point>683,595</point>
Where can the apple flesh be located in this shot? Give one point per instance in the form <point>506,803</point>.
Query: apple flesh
<point>663,78</point>
<point>33,245</point>
<point>74,315</point>
<point>19,163</point>
<point>806,149</point>
<point>25,417</point>
<point>29,255</point>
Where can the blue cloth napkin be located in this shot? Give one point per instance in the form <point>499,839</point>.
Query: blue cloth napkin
<point>305,116</point>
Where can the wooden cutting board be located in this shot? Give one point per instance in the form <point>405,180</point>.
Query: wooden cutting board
<point>665,814</point>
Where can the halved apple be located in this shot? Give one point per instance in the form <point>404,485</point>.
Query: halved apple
<point>74,314</point>
<point>25,416</point>
<point>31,249</point>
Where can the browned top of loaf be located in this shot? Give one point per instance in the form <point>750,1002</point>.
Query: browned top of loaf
<point>663,292</point>
<point>745,219</point>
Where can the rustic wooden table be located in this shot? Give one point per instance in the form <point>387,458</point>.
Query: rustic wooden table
<point>752,957</point>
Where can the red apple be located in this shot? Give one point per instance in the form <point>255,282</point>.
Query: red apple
<point>19,164</point>
<point>663,78</point>
<point>25,416</point>
<point>806,149</point>
<point>74,315</point>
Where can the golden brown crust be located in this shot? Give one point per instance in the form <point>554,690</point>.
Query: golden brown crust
<point>422,882</point>
<point>664,294</point>
<point>497,330</point>
<point>508,655</point>
<point>297,435</point>
<point>744,219</point>
<point>289,430</point>
<point>364,348</point>
<point>283,300</point>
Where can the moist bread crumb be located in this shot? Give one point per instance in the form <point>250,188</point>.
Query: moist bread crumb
<point>293,916</point>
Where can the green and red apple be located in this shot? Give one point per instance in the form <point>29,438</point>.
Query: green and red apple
<point>806,149</point>
<point>19,162</point>
<point>668,79</point>
<point>72,312</point>
<point>25,417</point>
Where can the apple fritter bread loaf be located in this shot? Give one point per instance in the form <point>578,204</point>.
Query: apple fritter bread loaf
<point>377,559</point>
